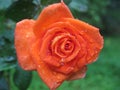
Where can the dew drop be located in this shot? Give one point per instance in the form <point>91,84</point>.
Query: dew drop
<point>54,73</point>
<point>96,51</point>
<point>62,61</point>
<point>69,69</point>
<point>27,36</point>
<point>58,77</point>
<point>39,66</point>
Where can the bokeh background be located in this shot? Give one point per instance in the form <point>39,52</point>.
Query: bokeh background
<point>101,75</point>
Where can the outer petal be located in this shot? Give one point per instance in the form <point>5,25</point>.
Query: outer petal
<point>92,36</point>
<point>90,30</point>
<point>24,37</point>
<point>50,77</point>
<point>51,14</point>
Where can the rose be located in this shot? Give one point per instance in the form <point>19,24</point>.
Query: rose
<point>56,45</point>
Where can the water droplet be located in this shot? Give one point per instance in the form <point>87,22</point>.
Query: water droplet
<point>62,60</point>
<point>69,69</point>
<point>82,32</point>
<point>62,63</point>
<point>27,35</point>
<point>96,51</point>
<point>54,73</point>
<point>39,66</point>
<point>58,77</point>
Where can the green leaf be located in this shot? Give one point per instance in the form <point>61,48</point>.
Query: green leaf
<point>22,79</point>
<point>7,52</point>
<point>111,19</point>
<point>3,84</point>
<point>79,5</point>
<point>5,3</point>
<point>7,63</point>
<point>21,9</point>
<point>2,20</point>
<point>67,1</point>
<point>8,35</point>
<point>47,2</point>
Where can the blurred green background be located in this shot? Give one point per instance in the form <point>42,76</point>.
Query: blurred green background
<point>101,75</point>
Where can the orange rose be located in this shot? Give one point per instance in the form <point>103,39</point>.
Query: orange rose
<point>56,45</point>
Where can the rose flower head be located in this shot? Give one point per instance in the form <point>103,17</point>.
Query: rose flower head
<point>57,45</point>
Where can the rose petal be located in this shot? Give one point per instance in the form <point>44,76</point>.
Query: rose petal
<point>92,36</point>
<point>24,37</point>
<point>87,29</point>
<point>67,68</point>
<point>50,77</point>
<point>74,41</point>
<point>66,28</point>
<point>51,14</point>
<point>45,52</point>
<point>69,28</point>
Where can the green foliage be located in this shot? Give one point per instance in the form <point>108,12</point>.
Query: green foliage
<point>7,53</point>
<point>90,11</point>
<point>47,2</point>
<point>5,4</point>
<point>7,63</point>
<point>21,9</point>
<point>3,84</point>
<point>79,5</point>
<point>112,18</point>
<point>22,78</point>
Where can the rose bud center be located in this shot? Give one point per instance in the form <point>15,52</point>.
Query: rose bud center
<point>65,46</point>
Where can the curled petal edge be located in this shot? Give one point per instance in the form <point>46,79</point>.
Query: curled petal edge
<point>24,38</point>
